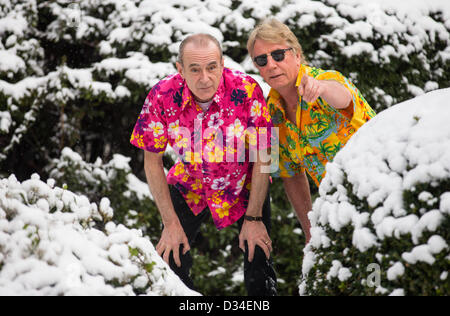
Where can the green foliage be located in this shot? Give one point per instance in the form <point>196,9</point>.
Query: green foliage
<point>111,180</point>
<point>420,278</point>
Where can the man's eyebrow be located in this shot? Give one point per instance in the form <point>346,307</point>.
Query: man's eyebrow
<point>210,64</point>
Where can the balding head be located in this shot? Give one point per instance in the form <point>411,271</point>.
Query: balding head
<point>198,41</point>
<point>201,65</point>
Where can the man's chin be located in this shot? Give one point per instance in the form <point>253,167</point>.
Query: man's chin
<point>277,83</point>
<point>203,98</point>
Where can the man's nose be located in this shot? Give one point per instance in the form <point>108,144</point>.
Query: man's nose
<point>204,77</point>
<point>271,63</point>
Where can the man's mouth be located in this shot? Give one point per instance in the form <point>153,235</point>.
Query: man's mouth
<point>275,76</point>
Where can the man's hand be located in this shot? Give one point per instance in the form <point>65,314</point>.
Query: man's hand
<point>310,89</point>
<point>255,233</point>
<point>334,93</point>
<point>172,237</point>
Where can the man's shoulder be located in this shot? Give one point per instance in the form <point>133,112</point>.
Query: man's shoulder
<point>314,71</point>
<point>323,74</point>
<point>237,78</point>
<point>168,84</point>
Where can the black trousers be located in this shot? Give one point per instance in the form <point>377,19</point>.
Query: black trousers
<point>259,275</point>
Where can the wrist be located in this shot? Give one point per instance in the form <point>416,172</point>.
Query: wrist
<point>253,218</point>
<point>171,220</point>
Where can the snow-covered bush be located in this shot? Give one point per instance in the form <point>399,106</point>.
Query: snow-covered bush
<point>21,53</point>
<point>382,222</point>
<point>129,197</point>
<point>50,244</point>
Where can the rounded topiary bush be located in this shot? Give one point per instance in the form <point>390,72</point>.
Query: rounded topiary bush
<point>381,225</point>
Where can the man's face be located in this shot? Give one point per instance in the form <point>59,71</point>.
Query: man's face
<point>278,74</point>
<point>202,69</point>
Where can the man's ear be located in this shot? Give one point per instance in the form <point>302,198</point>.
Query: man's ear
<point>180,69</point>
<point>299,59</point>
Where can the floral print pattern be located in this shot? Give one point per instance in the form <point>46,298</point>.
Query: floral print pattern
<point>320,130</point>
<point>205,141</point>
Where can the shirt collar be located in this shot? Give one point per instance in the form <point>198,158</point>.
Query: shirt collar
<point>188,97</point>
<point>275,97</point>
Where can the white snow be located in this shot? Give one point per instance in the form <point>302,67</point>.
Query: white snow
<point>363,239</point>
<point>5,121</point>
<point>397,270</point>
<point>337,270</point>
<point>60,252</point>
<point>10,62</point>
<point>401,147</point>
<point>398,292</point>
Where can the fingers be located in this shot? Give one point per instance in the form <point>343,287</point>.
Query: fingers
<point>241,243</point>
<point>176,256</point>
<point>301,90</point>
<point>254,234</point>
<point>311,95</point>
<point>165,250</point>
<point>251,251</point>
<point>159,248</point>
<point>310,89</point>
<point>266,246</point>
<point>186,246</point>
<point>166,255</point>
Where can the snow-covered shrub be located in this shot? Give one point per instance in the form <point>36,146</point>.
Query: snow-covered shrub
<point>50,244</point>
<point>21,53</point>
<point>382,222</point>
<point>129,197</point>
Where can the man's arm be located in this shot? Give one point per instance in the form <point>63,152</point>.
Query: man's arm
<point>173,234</point>
<point>255,233</point>
<point>334,93</point>
<point>297,190</point>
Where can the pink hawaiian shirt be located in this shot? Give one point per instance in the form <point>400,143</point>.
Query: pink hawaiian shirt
<point>215,149</point>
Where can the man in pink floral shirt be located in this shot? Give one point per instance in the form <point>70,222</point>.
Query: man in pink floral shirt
<point>217,122</point>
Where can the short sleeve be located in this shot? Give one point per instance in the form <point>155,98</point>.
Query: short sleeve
<point>361,110</point>
<point>150,132</point>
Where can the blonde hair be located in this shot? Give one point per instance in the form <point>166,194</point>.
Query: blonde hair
<point>273,31</point>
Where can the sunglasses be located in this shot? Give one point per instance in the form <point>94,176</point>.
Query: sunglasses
<point>277,55</point>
